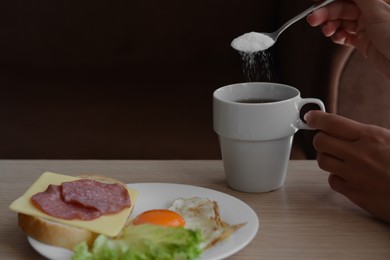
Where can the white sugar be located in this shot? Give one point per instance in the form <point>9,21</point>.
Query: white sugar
<point>257,66</point>
<point>252,42</point>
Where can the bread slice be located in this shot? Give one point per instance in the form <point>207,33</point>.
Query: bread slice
<point>54,233</point>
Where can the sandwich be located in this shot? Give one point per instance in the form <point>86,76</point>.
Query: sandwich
<point>63,211</point>
<point>90,215</point>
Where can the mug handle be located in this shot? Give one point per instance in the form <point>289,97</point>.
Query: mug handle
<point>304,101</point>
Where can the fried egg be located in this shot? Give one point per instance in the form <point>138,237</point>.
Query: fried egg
<point>192,213</point>
<point>203,214</point>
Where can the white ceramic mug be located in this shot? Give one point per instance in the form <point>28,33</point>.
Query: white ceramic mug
<point>256,138</point>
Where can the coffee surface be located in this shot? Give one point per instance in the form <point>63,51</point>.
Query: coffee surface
<point>257,100</point>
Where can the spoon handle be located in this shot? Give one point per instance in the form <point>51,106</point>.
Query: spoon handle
<point>317,6</point>
<point>303,14</point>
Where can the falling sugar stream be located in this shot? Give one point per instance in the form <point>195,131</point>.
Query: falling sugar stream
<point>257,66</point>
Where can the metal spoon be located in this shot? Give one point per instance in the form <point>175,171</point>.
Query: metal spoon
<point>269,39</point>
<point>276,34</point>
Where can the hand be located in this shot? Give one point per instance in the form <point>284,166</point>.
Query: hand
<point>358,157</point>
<point>363,24</point>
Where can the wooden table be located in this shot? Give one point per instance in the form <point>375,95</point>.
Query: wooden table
<point>304,219</point>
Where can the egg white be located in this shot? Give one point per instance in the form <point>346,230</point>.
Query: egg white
<point>203,214</point>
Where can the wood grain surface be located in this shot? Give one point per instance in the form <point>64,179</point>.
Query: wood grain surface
<point>304,219</point>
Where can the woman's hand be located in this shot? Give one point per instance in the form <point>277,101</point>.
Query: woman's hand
<point>358,159</point>
<point>363,24</point>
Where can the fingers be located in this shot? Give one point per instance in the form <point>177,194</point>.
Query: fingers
<point>343,169</point>
<point>343,38</point>
<point>337,183</point>
<point>341,186</point>
<point>339,20</point>
<point>341,32</point>
<point>331,164</point>
<point>334,125</point>
<point>331,27</point>
<point>365,197</point>
<point>343,11</point>
<point>318,17</point>
<point>334,11</point>
<point>331,146</point>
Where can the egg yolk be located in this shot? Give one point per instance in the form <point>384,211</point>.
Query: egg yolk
<point>161,217</point>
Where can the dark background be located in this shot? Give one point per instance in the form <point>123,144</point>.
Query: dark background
<point>134,79</point>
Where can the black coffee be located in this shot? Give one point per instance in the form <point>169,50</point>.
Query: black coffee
<point>257,100</point>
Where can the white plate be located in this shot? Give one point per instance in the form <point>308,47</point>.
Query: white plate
<point>161,195</point>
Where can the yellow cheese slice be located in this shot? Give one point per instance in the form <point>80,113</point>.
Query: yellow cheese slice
<point>109,225</point>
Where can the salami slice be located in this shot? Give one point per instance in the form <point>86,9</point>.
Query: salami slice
<point>50,201</point>
<point>105,197</point>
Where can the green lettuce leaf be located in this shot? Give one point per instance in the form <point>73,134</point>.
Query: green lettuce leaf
<point>144,242</point>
